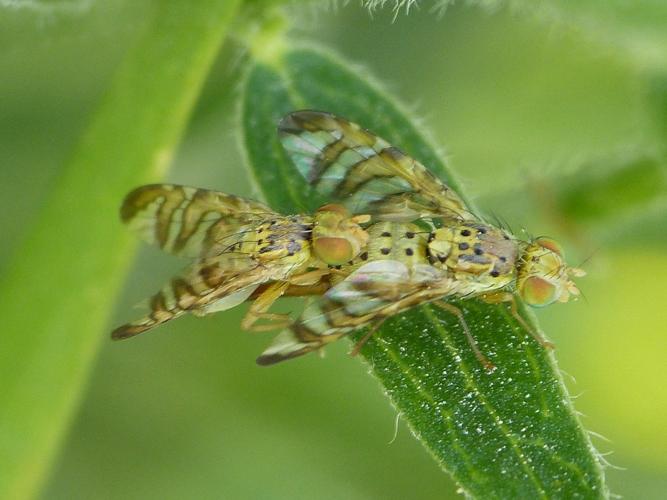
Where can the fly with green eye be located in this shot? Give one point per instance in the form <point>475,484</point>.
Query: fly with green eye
<point>395,236</point>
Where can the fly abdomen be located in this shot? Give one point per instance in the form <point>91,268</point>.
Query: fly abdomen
<point>403,242</point>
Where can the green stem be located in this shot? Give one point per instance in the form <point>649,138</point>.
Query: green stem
<point>63,314</point>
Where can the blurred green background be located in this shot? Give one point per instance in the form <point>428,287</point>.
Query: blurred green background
<point>550,127</point>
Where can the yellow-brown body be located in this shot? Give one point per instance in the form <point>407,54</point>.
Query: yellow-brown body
<point>393,237</point>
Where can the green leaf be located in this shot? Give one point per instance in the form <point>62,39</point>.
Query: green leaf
<point>636,29</point>
<point>658,106</point>
<point>55,303</point>
<point>601,193</point>
<point>511,433</point>
<point>601,197</point>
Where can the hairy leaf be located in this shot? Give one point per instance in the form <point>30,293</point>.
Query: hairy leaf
<point>511,433</point>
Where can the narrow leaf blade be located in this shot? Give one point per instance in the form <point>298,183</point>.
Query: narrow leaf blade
<point>507,434</point>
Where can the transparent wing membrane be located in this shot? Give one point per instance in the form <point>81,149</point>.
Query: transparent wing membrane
<point>188,221</point>
<point>370,294</point>
<point>349,164</point>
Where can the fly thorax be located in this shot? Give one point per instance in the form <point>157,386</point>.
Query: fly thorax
<point>285,241</point>
<point>337,237</point>
<point>475,251</point>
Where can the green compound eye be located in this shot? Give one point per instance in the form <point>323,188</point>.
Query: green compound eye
<point>538,292</point>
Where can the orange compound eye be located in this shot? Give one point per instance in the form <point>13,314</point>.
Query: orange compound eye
<point>333,207</point>
<point>538,292</point>
<point>550,244</point>
<point>333,251</point>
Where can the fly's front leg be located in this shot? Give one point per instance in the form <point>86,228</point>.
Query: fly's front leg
<point>261,304</point>
<point>471,340</point>
<point>269,294</point>
<point>499,297</point>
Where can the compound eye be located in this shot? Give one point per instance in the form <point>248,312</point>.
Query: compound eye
<point>550,244</point>
<point>538,292</point>
<point>337,209</point>
<point>333,251</point>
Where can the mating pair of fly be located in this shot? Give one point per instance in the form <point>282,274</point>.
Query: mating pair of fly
<point>394,236</point>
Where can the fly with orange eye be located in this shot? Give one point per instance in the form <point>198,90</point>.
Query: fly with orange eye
<point>393,236</point>
<point>544,277</point>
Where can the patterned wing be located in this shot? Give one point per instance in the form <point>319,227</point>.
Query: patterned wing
<point>369,176</point>
<point>210,285</point>
<point>372,293</point>
<point>187,221</point>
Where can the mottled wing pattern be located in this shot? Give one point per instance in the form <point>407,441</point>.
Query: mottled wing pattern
<point>210,285</point>
<point>348,163</point>
<point>238,245</point>
<point>372,293</point>
<point>187,221</point>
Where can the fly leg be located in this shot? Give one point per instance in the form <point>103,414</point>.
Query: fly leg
<point>269,294</point>
<point>374,328</point>
<point>260,306</point>
<point>499,297</point>
<point>471,340</point>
